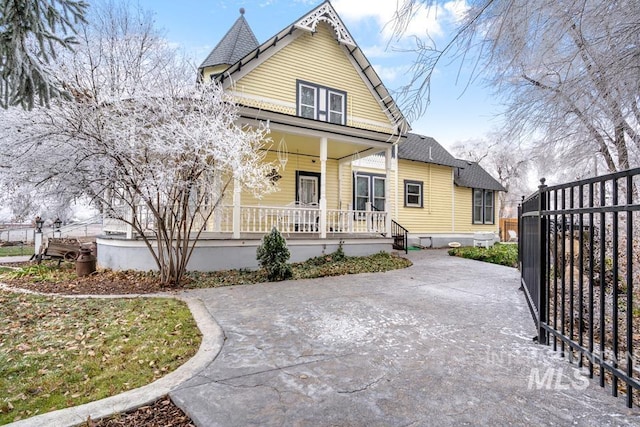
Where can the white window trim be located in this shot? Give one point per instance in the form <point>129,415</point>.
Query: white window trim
<point>315,100</point>
<point>371,178</point>
<point>342,106</point>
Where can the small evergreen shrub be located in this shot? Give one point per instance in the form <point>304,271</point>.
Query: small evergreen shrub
<point>273,255</point>
<point>339,254</point>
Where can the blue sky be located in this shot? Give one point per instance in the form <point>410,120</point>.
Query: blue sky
<point>456,113</point>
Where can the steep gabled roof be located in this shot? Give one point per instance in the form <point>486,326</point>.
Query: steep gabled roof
<point>425,149</point>
<point>472,175</point>
<point>237,43</point>
<point>327,14</point>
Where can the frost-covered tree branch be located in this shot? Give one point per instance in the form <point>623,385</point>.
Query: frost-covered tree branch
<point>30,33</point>
<point>139,138</point>
<point>566,70</point>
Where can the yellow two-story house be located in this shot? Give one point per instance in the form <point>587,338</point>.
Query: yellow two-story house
<point>349,172</point>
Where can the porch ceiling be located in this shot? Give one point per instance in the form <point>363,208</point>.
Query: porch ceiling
<point>310,146</point>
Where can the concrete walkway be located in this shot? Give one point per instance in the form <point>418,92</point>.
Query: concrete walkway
<point>16,258</point>
<point>445,342</point>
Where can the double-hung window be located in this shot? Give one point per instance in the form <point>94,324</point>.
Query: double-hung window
<point>483,210</point>
<point>413,194</point>
<point>369,188</point>
<point>321,103</point>
<point>336,107</point>
<point>308,97</point>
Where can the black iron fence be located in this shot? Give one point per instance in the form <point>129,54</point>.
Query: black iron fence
<point>579,267</point>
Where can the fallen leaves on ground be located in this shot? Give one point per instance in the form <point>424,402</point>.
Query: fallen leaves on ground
<point>162,413</point>
<point>60,352</point>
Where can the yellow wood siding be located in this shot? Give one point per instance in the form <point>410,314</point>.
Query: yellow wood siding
<point>286,186</point>
<point>436,214</point>
<point>317,59</point>
<point>207,72</point>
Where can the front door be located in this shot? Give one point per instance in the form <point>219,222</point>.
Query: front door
<point>308,188</point>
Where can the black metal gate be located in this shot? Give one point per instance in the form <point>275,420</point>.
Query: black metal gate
<point>579,270</point>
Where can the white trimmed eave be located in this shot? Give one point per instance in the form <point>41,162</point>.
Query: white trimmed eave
<point>366,141</point>
<point>378,89</point>
<point>308,23</point>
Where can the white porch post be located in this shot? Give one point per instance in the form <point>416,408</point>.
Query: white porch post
<point>129,227</point>
<point>236,208</point>
<point>387,202</point>
<point>323,188</point>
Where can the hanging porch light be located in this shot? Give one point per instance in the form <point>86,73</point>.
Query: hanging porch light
<point>283,153</point>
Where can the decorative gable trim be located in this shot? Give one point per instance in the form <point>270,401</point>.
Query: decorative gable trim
<point>327,14</point>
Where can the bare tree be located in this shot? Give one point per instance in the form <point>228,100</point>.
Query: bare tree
<point>509,163</point>
<point>567,71</point>
<point>139,138</point>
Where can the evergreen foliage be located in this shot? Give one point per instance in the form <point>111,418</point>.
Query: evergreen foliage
<point>273,255</point>
<point>30,31</point>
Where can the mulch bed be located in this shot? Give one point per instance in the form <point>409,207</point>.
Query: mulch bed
<point>102,283</point>
<point>162,413</point>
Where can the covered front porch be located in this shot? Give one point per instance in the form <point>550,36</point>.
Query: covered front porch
<point>232,236</point>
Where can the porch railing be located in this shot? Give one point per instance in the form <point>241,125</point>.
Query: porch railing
<point>400,237</point>
<point>579,268</point>
<point>287,219</point>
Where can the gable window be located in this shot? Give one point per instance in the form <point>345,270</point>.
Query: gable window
<point>483,211</point>
<point>369,188</point>
<point>321,103</point>
<point>413,194</point>
<point>308,98</point>
<point>336,107</point>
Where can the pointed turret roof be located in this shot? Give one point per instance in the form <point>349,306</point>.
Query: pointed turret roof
<point>237,43</point>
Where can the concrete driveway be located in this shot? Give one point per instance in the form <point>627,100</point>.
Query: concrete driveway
<point>445,342</point>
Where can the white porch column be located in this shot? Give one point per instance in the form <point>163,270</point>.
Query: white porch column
<point>237,200</point>
<point>323,188</point>
<point>387,186</point>
<point>129,228</point>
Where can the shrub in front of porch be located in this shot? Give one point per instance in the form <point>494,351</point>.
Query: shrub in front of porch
<point>273,255</point>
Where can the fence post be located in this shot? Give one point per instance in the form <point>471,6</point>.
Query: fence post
<point>542,268</point>
<point>520,235</point>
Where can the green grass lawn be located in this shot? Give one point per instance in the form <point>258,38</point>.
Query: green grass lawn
<point>16,250</point>
<point>59,352</point>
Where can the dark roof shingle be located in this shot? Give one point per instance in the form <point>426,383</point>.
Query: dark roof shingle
<point>425,149</point>
<point>237,43</point>
<point>472,175</point>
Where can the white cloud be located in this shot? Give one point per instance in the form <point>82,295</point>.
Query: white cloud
<point>426,20</point>
<point>376,51</point>
<point>390,74</point>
